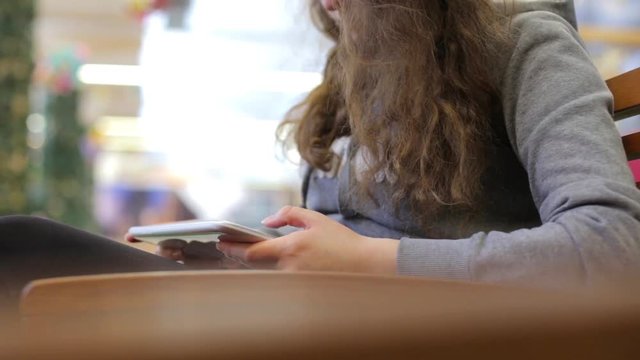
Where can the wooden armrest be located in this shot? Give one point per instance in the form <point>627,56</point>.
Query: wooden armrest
<point>626,94</point>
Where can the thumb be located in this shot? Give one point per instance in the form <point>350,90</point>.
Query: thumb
<point>294,216</point>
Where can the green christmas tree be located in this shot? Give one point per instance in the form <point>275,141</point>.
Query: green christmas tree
<point>16,65</point>
<point>63,181</point>
<point>67,176</point>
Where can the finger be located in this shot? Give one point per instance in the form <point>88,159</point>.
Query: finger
<point>269,250</point>
<point>129,238</point>
<point>241,253</point>
<point>294,216</point>
<point>233,250</point>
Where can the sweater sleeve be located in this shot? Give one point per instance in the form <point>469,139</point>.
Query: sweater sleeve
<point>557,117</point>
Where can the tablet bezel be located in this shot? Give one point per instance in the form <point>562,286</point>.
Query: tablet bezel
<point>207,230</point>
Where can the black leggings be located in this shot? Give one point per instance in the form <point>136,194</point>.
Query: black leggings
<point>35,248</point>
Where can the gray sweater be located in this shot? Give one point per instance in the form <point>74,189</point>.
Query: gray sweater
<point>560,205</point>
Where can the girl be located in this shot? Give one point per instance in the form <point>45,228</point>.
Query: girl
<point>442,120</point>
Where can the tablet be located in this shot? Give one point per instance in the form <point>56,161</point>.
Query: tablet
<point>197,230</point>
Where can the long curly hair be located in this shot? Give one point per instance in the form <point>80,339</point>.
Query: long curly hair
<point>410,81</point>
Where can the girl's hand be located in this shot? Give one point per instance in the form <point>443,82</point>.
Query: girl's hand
<point>322,244</point>
<point>195,254</point>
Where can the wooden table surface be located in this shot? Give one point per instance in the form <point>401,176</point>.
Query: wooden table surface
<point>263,315</point>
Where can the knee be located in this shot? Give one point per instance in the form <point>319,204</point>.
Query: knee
<point>22,220</point>
<point>21,223</point>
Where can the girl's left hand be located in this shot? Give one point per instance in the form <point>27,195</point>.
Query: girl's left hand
<point>322,244</point>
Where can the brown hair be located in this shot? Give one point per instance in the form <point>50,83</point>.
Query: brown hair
<point>410,80</point>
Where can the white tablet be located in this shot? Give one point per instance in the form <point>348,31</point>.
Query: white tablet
<point>200,230</point>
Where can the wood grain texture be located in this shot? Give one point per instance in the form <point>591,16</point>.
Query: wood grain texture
<point>626,94</point>
<point>264,315</point>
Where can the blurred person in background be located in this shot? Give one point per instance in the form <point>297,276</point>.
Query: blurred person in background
<point>446,140</point>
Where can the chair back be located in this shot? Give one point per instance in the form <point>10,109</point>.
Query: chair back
<point>626,95</point>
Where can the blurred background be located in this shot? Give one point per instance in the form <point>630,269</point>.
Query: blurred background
<point>127,112</point>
